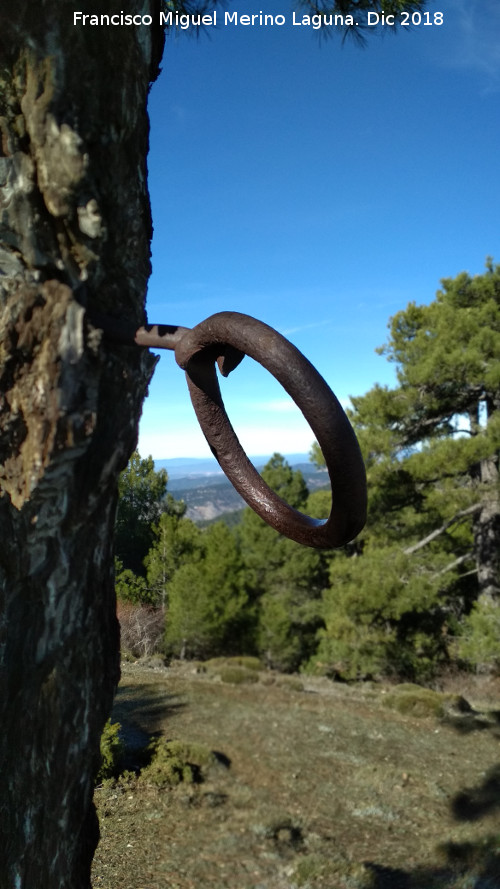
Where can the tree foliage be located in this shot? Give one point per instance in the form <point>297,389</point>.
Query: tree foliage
<point>383,615</point>
<point>142,498</point>
<point>284,579</point>
<point>207,601</point>
<point>357,9</point>
<point>177,540</point>
<point>360,10</point>
<point>431,444</point>
<point>231,590</point>
<point>420,585</point>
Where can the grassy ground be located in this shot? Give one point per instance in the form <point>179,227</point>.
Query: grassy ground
<point>317,785</point>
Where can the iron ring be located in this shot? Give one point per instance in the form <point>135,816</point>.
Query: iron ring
<point>225,337</point>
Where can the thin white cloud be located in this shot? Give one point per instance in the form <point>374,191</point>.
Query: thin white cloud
<point>300,327</point>
<point>476,44</point>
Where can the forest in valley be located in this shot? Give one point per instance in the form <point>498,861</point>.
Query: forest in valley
<point>417,593</point>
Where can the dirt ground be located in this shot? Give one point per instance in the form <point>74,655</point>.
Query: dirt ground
<point>318,785</point>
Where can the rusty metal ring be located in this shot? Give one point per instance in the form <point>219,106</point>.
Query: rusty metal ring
<point>225,337</point>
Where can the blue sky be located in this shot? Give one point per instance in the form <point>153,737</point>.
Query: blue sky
<point>319,187</point>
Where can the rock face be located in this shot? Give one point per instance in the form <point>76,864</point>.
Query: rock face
<point>74,241</point>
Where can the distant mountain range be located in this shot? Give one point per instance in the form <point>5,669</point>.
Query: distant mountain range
<point>207,492</point>
<point>197,466</point>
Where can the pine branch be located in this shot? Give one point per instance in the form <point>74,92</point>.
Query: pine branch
<point>360,9</point>
<point>455,564</point>
<point>430,537</point>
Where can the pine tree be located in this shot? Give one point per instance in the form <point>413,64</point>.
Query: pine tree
<point>141,500</point>
<point>431,449</point>
<point>177,541</point>
<point>447,405</point>
<point>284,579</point>
<point>207,604</point>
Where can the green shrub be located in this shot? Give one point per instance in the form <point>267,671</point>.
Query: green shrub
<point>402,687</point>
<point>236,670</point>
<point>318,871</point>
<point>413,700</point>
<point>420,703</point>
<point>238,675</point>
<point>250,663</point>
<point>112,749</point>
<point>247,661</point>
<point>292,683</point>
<point>382,617</point>
<point>208,607</point>
<point>174,762</point>
<point>479,643</point>
<point>286,633</point>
